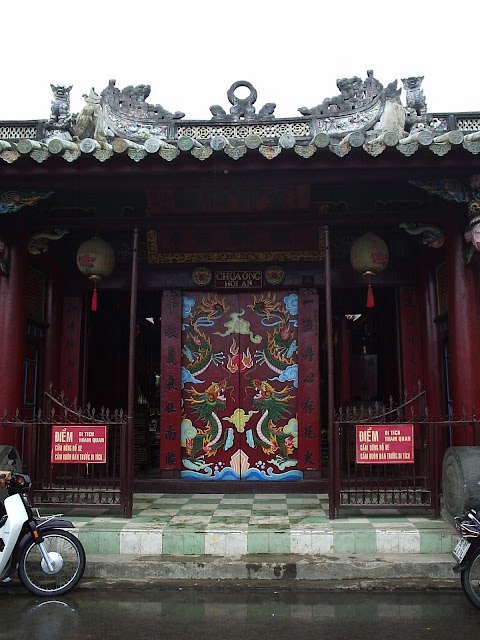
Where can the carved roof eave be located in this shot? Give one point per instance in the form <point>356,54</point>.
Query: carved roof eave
<point>306,135</point>
<point>270,149</point>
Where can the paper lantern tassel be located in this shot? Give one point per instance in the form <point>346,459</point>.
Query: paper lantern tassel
<point>370,298</point>
<point>94,299</point>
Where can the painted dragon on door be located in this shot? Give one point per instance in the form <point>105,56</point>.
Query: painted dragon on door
<point>239,417</point>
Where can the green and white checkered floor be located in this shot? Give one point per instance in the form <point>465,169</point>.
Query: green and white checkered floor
<point>237,524</point>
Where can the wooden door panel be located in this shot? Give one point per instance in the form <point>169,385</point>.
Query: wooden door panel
<point>268,391</point>
<point>239,386</point>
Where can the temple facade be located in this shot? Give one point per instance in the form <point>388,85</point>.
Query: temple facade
<point>232,282</point>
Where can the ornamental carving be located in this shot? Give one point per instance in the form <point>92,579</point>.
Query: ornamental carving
<point>12,201</point>
<point>354,94</point>
<point>415,96</point>
<point>243,108</point>
<point>123,113</point>
<point>60,115</point>
<point>38,243</point>
<point>430,235</point>
<point>123,118</point>
<point>460,191</point>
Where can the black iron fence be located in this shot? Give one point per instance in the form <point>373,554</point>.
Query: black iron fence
<point>369,472</point>
<point>90,484</point>
<point>383,483</point>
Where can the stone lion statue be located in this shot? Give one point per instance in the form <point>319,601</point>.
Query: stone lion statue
<point>415,97</point>
<point>60,106</point>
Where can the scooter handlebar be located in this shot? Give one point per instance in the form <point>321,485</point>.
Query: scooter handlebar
<point>15,481</point>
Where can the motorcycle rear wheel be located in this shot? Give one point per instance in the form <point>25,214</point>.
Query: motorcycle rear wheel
<point>470,580</point>
<point>69,554</point>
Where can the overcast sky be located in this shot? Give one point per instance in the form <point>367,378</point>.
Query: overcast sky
<point>191,52</point>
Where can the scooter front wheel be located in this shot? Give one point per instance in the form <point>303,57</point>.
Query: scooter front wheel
<point>470,580</point>
<point>67,558</point>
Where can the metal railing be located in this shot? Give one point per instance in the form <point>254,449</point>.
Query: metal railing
<point>380,485</point>
<point>73,484</point>
<point>352,485</point>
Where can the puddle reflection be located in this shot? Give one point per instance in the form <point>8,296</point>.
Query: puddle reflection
<point>240,614</point>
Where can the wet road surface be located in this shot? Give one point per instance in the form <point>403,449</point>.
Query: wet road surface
<point>239,614</point>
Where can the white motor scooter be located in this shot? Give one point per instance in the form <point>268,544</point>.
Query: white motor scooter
<point>49,561</point>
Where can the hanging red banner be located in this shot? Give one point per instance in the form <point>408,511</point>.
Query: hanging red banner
<point>309,457</point>
<point>170,384</point>
<point>384,444</point>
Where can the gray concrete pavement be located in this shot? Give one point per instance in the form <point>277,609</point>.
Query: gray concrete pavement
<point>395,571</point>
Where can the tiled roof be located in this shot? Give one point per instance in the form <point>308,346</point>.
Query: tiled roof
<point>40,151</point>
<point>365,116</point>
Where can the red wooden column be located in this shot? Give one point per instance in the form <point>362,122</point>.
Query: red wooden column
<point>463,323</point>
<point>12,327</point>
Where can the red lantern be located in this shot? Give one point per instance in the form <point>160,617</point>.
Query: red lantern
<point>369,256</point>
<point>96,260</point>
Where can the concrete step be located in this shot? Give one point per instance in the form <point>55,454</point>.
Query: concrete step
<point>236,525</point>
<point>336,538</point>
<point>389,571</point>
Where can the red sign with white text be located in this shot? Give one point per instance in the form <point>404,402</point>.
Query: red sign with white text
<point>79,443</point>
<point>384,443</point>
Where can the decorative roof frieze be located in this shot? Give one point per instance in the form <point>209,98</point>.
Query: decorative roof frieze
<point>267,148</point>
<point>365,115</point>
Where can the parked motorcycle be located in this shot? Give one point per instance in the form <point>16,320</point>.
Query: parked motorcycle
<point>49,560</point>
<point>467,555</point>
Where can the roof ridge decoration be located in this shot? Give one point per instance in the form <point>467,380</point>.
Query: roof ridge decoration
<point>359,108</point>
<point>242,108</point>
<point>123,114</point>
<point>60,115</point>
<point>365,114</point>
<point>354,94</point>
